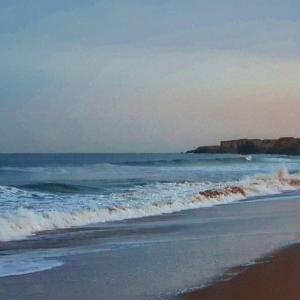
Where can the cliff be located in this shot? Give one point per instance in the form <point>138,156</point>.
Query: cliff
<point>286,145</point>
<point>206,149</point>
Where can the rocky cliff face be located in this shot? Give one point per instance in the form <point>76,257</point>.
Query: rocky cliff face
<point>287,145</point>
<point>246,146</point>
<point>206,149</point>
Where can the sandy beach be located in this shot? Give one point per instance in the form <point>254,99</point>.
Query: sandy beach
<point>275,277</point>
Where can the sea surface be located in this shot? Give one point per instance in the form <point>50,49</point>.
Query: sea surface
<point>54,207</point>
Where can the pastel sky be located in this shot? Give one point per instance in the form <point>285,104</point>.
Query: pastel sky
<point>146,75</point>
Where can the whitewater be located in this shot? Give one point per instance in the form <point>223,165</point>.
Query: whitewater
<point>43,193</point>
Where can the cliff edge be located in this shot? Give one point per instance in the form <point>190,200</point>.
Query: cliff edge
<point>284,145</point>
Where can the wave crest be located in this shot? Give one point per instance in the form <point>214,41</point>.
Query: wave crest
<point>259,186</point>
<point>23,222</point>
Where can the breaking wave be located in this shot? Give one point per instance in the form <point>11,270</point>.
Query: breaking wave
<point>21,222</point>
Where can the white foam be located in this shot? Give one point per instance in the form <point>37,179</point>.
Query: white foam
<point>27,266</point>
<point>157,199</point>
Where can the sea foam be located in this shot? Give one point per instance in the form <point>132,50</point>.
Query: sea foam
<point>21,222</point>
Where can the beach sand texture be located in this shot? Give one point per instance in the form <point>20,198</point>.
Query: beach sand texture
<point>274,277</point>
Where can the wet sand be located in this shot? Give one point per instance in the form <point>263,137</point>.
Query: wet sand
<point>275,277</point>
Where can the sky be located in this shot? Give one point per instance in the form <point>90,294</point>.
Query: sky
<point>146,75</point>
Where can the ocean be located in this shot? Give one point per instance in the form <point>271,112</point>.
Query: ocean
<point>54,207</point>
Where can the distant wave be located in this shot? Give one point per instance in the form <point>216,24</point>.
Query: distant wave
<point>279,159</point>
<point>23,222</point>
<point>185,160</point>
<point>154,162</point>
<point>53,187</point>
<point>194,161</point>
<point>59,169</point>
<point>162,162</point>
<point>67,172</point>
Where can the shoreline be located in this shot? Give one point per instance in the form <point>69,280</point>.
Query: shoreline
<point>154,257</point>
<point>275,276</point>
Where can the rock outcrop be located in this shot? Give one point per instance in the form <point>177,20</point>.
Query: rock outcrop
<point>285,145</point>
<point>206,149</point>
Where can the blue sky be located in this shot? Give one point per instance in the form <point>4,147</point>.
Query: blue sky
<point>146,76</point>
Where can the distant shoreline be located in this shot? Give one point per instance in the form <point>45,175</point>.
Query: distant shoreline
<point>283,146</point>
